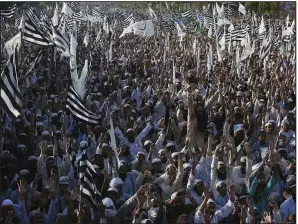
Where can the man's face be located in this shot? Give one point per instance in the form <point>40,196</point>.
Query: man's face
<point>222,189</point>
<point>262,138</point>
<point>37,219</point>
<point>211,208</point>
<point>156,166</point>
<point>140,158</point>
<point>162,156</point>
<point>199,188</point>
<point>261,179</point>
<point>269,128</point>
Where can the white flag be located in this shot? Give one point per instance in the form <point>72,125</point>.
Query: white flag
<point>143,28</point>
<point>231,27</point>
<point>180,32</point>
<point>223,21</point>
<point>12,43</point>
<point>222,42</point>
<point>219,58</point>
<point>230,47</point>
<point>242,9</point>
<point>20,27</point>
<point>247,48</point>
<point>194,47</point>
<point>174,75</point>
<point>152,14</point>
<point>262,26</point>
<point>238,61</point>
<point>55,18</point>
<point>210,32</point>
<point>252,48</point>
<point>86,38</point>
<point>94,19</point>
<point>126,31</point>
<point>113,143</point>
<point>80,87</point>
<point>98,35</point>
<point>287,20</point>
<point>111,51</point>
<point>66,10</point>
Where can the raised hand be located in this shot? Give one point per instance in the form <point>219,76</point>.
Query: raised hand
<point>63,145</point>
<point>207,192</point>
<point>232,193</point>
<point>74,194</point>
<point>267,217</point>
<point>243,212</point>
<point>23,187</point>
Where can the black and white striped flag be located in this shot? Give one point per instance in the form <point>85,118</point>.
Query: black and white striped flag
<point>10,94</point>
<point>8,13</point>
<point>266,47</point>
<point>88,187</point>
<point>32,32</point>
<point>167,22</point>
<point>75,105</point>
<point>34,63</point>
<point>60,41</point>
<point>128,20</point>
<point>188,15</point>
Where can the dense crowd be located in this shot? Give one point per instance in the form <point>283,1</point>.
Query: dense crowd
<point>196,143</point>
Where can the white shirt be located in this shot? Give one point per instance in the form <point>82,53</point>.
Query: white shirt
<point>218,216</point>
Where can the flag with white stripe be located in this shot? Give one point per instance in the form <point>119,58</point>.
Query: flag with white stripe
<point>128,20</point>
<point>75,105</point>
<point>8,13</point>
<point>88,187</point>
<point>32,32</point>
<point>60,41</point>
<point>10,94</point>
<point>188,15</point>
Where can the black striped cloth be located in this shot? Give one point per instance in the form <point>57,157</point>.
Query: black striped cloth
<point>60,41</point>
<point>88,187</point>
<point>34,63</point>
<point>10,94</point>
<point>188,15</point>
<point>128,20</point>
<point>168,22</point>
<point>75,106</point>
<point>8,13</point>
<point>266,47</point>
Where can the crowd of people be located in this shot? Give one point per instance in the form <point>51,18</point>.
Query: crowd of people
<point>205,145</point>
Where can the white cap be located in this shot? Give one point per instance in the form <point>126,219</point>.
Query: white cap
<point>186,165</point>
<point>112,189</point>
<point>220,183</point>
<point>170,144</point>
<point>148,142</point>
<point>64,180</point>
<point>83,144</point>
<point>45,133</point>
<point>243,159</point>
<point>162,150</point>
<point>32,158</point>
<point>210,201</point>
<point>141,153</point>
<point>95,166</point>
<point>221,163</point>
<point>24,172</point>
<point>39,124</point>
<point>7,202</point>
<point>156,160</point>
<point>175,154</point>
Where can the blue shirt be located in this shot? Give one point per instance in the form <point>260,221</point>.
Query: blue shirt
<point>287,208</point>
<point>260,205</point>
<point>256,152</point>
